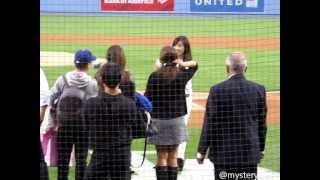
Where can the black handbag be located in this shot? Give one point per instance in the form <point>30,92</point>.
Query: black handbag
<point>145,129</point>
<point>150,130</point>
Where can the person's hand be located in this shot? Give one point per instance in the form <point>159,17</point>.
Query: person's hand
<point>200,158</point>
<point>179,61</point>
<point>261,154</point>
<point>96,64</point>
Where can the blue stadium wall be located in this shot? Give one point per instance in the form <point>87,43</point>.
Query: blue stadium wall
<point>271,7</point>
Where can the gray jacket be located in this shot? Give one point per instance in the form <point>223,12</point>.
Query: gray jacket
<point>79,79</point>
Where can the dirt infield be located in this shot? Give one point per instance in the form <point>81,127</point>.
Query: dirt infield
<point>197,42</point>
<point>200,100</point>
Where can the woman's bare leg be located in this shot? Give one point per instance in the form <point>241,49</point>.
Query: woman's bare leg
<point>172,156</point>
<point>162,155</point>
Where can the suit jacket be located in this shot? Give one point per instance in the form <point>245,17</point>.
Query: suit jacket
<point>234,128</point>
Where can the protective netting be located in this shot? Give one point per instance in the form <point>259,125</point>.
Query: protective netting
<point>220,96</point>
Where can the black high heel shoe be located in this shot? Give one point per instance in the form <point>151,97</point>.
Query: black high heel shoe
<point>180,164</point>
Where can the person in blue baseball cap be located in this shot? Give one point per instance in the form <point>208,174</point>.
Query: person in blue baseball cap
<point>69,89</point>
<point>84,56</point>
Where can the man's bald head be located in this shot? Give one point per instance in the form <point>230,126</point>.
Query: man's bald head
<point>236,62</point>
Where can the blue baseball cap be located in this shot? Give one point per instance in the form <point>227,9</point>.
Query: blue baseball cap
<point>84,56</point>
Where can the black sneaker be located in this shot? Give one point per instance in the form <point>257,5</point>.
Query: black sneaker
<point>180,164</point>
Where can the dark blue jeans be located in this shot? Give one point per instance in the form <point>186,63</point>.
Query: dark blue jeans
<point>66,138</point>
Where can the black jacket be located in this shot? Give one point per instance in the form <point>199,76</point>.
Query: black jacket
<point>168,96</point>
<point>234,128</point>
<point>110,120</point>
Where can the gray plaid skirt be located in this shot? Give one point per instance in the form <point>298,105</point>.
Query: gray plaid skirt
<point>171,132</point>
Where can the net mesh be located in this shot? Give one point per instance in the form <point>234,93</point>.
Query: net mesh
<point>92,138</point>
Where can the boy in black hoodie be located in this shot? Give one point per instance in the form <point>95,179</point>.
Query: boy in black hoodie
<point>110,117</point>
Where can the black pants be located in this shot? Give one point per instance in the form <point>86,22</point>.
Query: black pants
<point>43,166</point>
<point>235,172</point>
<point>66,138</point>
<point>113,164</point>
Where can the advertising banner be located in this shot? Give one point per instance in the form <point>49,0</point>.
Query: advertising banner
<point>227,5</point>
<point>137,5</point>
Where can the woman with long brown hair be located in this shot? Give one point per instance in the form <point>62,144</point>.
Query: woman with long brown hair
<point>166,90</point>
<point>115,54</point>
<point>183,48</point>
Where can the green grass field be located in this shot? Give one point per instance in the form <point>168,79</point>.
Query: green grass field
<point>160,26</point>
<point>263,65</point>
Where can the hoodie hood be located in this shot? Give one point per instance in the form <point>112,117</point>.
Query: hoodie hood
<point>78,79</point>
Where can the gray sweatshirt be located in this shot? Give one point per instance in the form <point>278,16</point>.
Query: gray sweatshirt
<point>79,79</point>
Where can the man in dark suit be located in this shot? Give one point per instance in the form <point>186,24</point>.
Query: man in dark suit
<point>234,128</point>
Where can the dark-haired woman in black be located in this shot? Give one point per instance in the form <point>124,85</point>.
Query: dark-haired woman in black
<point>183,48</point>
<point>110,117</point>
<point>166,90</point>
